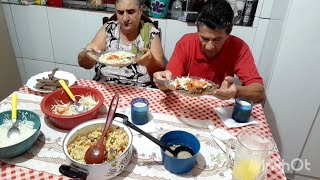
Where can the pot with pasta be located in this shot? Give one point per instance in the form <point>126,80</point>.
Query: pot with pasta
<point>118,142</point>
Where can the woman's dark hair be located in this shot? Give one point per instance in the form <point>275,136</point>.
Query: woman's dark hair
<point>216,14</point>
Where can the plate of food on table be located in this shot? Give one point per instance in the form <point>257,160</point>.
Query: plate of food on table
<point>47,82</point>
<point>118,58</point>
<point>191,86</point>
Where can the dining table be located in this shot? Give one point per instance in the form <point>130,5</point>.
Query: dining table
<point>169,111</point>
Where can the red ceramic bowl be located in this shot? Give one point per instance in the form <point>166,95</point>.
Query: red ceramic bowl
<point>68,122</point>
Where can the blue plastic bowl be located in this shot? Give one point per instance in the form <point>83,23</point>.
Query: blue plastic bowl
<point>175,165</point>
<point>21,147</point>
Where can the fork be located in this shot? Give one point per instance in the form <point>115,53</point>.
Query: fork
<point>93,52</point>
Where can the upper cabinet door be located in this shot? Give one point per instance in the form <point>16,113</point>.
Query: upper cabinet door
<point>68,31</point>
<point>93,22</point>
<point>33,32</point>
<point>12,32</point>
<point>176,29</point>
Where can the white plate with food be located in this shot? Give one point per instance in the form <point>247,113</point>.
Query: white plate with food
<point>46,83</point>
<point>191,86</point>
<point>118,58</point>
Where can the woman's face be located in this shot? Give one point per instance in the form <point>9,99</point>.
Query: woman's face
<point>128,14</point>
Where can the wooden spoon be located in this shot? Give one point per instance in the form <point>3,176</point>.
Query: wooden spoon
<point>97,153</point>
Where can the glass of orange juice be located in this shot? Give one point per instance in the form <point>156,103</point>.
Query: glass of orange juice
<point>251,154</point>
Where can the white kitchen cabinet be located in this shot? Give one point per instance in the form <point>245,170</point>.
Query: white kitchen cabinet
<point>293,93</point>
<point>68,34</point>
<point>174,31</point>
<point>11,28</point>
<point>173,34</point>
<point>21,70</point>
<point>269,50</point>
<point>33,67</point>
<point>247,34</point>
<point>93,21</point>
<point>79,72</point>
<point>32,28</point>
<point>311,151</point>
<point>259,39</point>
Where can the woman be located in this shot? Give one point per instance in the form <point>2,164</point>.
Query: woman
<point>127,33</point>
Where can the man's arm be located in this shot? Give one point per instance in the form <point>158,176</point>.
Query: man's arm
<point>254,92</point>
<point>228,89</point>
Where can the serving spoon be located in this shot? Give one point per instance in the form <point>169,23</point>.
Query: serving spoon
<point>79,107</point>
<point>14,131</point>
<point>97,153</point>
<point>174,152</point>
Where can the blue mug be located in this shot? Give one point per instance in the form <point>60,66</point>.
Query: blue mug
<point>242,110</point>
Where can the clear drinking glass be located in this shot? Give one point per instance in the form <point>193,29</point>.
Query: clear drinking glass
<point>252,151</point>
<point>176,10</point>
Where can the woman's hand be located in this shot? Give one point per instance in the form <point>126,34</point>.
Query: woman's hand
<point>146,57</point>
<point>87,58</point>
<point>91,51</point>
<point>227,90</point>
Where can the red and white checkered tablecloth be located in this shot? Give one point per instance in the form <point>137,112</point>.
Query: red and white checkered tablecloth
<point>199,108</point>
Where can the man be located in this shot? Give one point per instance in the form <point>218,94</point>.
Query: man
<point>212,53</point>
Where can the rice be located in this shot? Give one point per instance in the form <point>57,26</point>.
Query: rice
<point>118,57</point>
<point>116,142</point>
<point>25,127</point>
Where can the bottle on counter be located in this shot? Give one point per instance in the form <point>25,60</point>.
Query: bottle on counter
<point>40,2</point>
<point>239,11</point>
<point>176,10</point>
<point>249,12</point>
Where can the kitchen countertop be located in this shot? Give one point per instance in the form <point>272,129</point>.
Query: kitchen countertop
<point>81,5</point>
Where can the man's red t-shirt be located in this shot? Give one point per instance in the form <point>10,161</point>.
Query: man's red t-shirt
<point>234,58</point>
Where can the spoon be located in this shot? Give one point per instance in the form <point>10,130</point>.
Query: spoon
<point>97,153</point>
<point>14,131</point>
<point>174,152</point>
<point>79,107</point>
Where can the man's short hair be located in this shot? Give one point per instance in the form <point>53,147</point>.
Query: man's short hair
<point>217,15</point>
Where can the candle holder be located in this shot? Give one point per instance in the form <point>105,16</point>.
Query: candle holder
<point>139,111</point>
<point>242,110</point>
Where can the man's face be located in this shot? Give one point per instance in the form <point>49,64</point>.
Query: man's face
<point>128,14</point>
<point>211,40</point>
